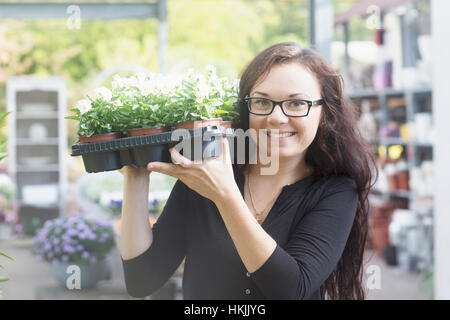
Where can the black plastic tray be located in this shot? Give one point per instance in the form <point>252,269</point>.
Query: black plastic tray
<point>198,144</point>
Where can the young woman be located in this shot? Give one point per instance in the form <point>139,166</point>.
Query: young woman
<point>298,233</point>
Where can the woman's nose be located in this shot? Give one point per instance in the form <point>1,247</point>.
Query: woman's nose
<point>277,116</point>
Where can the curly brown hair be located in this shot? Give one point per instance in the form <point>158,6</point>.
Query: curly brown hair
<point>338,148</point>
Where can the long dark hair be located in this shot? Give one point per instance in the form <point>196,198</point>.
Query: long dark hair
<point>338,148</point>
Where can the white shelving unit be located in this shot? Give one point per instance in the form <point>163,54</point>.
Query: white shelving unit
<point>37,146</point>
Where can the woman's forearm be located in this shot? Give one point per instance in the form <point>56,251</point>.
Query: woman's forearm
<point>135,231</point>
<point>253,243</point>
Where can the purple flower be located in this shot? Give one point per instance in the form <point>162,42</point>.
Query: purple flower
<point>85,255</point>
<point>47,246</point>
<point>65,258</point>
<point>68,249</point>
<point>93,260</point>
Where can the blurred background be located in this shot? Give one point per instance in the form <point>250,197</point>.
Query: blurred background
<point>52,54</point>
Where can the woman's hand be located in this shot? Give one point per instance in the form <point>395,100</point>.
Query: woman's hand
<point>213,178</point>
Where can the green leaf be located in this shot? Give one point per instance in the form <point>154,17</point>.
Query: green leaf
<point>221,111</point>
<point>3,115</point>
<point>6,256</point>
<point>71,118</point>
<point>3,279</point>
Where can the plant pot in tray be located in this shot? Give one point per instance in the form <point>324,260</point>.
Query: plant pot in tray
<point>140,156</point>
<point>103,160</point>
<point>198,143</point>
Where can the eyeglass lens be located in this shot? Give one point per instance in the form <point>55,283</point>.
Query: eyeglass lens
<point>290,107</point>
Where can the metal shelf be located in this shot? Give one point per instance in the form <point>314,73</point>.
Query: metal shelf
<point>30,142</point>
<point>34,116</point>
<point>44,168</point>
<point>412,147</point>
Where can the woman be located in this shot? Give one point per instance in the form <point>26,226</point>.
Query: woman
<point>297,233</point>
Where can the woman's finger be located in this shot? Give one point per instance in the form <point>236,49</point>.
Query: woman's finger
<point>226,150</point>
<point>164,168</point>
<point>177,158</point>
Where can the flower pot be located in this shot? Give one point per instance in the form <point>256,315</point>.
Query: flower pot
<point>198,143</point>
<point>403,180</point>
<point>380,236</point>
<point>145,131</point>
<point>227,124</point>
<point>100,137</point>
<point>90,274</point>
<point>198,123</point>
<point>101,161</point>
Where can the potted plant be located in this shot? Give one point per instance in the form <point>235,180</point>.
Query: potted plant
<point>149,104</point>
<point>98,118</point>
<point>203,100</point>
<point>76,241</point>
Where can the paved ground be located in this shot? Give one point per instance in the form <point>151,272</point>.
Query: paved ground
<point>31,279</point>
<point>394,282</point>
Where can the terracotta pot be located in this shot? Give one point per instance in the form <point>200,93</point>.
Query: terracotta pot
<point>147,131</point>
<point>380,238</point>
<point>226,124</point>
<point>198,123</point>
<point>403,180</point>
<point>100,137</point>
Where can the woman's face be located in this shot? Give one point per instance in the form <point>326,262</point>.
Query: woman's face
<point>287,81</point>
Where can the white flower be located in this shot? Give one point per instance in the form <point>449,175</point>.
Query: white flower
<point>5,180</point>
<point>154,107</point>
<point>84,105</point>
<point>117,82</point>
<point>104,93</point>
<point>117,103</point>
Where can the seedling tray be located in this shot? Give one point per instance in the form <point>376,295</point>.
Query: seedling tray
<point>197,144</point>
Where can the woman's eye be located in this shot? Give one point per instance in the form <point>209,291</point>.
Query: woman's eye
<point>262,103</point>
<point>296,104</point>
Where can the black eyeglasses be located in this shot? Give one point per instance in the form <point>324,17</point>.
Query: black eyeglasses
<point>290,107</point>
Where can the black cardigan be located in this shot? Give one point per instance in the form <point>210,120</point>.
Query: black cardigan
<point>310,221</point>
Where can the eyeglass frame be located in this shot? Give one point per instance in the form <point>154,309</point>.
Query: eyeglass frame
<point>280,103</point>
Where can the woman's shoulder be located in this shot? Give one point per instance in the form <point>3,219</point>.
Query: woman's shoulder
<point>323,186</point>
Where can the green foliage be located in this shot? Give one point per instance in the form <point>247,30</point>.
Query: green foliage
<point>149,100</point>
<point>3,115</point>
<point>3,279</point>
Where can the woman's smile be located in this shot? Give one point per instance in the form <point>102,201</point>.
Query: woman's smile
<point>281,135</point>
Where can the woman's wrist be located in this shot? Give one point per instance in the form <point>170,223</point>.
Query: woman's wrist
<point>230,191</point>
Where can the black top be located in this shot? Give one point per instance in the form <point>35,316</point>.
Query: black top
<point>310,220</point>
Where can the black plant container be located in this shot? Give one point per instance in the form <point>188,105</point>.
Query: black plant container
<point>102,161</point>
<point>202,143</point>
<point>141,156</point>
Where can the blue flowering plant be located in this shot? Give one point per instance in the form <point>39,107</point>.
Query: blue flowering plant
<point>75,240</point>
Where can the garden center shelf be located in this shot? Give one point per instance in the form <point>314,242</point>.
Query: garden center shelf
<point>37,144</point>
<point>139,151</point>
